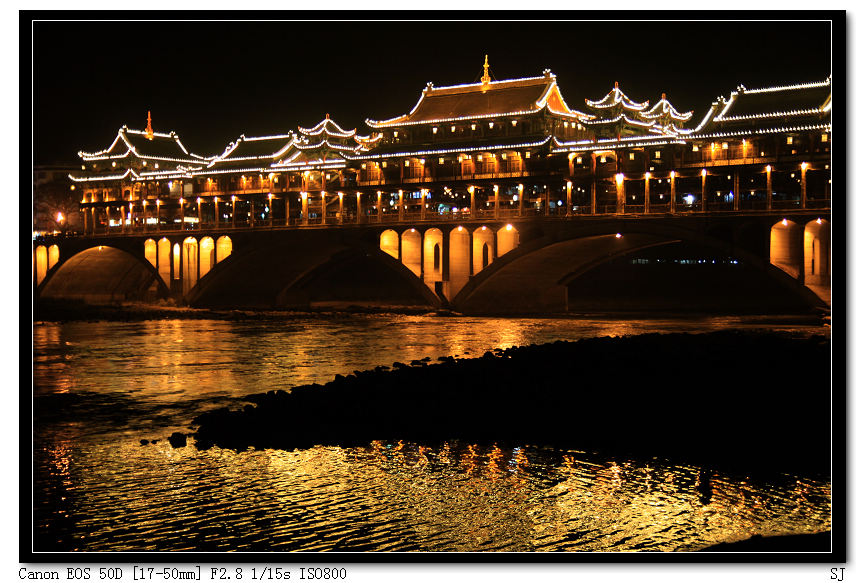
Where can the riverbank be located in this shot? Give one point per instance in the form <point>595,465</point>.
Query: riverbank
<point>746,401</point>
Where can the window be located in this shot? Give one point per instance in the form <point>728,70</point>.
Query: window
<point>579,160</point>
<point>657,153</point>
<point>789,140</point>
<point>695,148</point>
<point>725,145</point>
<point>631,156</point>
<point>824,138</point>
<point>441,160</point>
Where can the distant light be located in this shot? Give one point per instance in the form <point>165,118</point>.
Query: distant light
<point>618,235</point>
<point>689,199</point>
<point>784,222</point>
<point>620,178</point>
<point>510,227</point>
<point>703,172</point>
<point>59,217</point>
<point>819,221</point>
<point>516,197</point>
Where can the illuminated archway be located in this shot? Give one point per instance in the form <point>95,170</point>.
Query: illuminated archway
<point>150,252</point>
<point>53,256</point>
<point>176,259</point>
<point>483,241</point>
<point>41,261</point>
<point>163,259</point>
<point>189,263</point>
<point>507,239</point>
<point>411,250</point>
<point>817,256</point>
<point>460,247</point>
<point>223,248</point>
<point>433,240</point>
<point>206,256</point>
<point>785,247</point>
<point>389,243</point>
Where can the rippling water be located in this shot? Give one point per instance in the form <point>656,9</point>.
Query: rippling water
<point>101,387</point>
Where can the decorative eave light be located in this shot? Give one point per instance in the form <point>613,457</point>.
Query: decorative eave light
<point>451,150</point>
<point>790,113</point>
<point>825,83</point>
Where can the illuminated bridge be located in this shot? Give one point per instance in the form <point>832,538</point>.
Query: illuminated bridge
<point>479,264</point>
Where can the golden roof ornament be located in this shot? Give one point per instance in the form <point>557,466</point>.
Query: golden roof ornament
<point>149,130</point>
<point>485,80</point>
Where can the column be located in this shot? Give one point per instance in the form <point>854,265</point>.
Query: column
<point>519,200</point>
<point>215,213</point>
<point>304,208</point>
<point>323,204</point>
<point>736,190</point>
<point>92,220</point>
<point>594,187</point>
<point>804,195</point>
<point>769,186</point>
<point>569,188</point>
<point>340,207</point>
<point>233,214</point>
<point>401,209</point>
<point>198,200</point>
<point>357,218</point>
<point>546,200</point>
<point>422,209</point>
<point>703,190</point>
<point>270,209</point>
<point>251,213</point>
<point>672,191</point>
<point>472,201</point>
<point>620,193</point>
<point>495,201</point>
<point>158,226</point>
<point>647,199</point>
<point>182,217</point>
<point>378,209</point>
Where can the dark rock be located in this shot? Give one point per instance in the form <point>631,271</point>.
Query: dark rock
<point>144,442</point>
<point>177,439</point>
<point>154,440</point>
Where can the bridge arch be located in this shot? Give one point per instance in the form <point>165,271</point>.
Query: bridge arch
<point>53,255</point>
<point>483,248</point>
<point>103,274</point>
<point>817,255</point>
<point>389,243</point>
<point>507,239</point>
<point>207,256</point>
<point>224,247</point>
<point>40,261</point>
<point>535,276</point>
<point>189,264</point>
<point>433,247</point>
<point>459,241</point>
<point>785,247</point>
<point>412,251</point>
<point>163,260</point>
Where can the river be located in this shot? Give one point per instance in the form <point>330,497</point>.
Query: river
<point>101,387</point>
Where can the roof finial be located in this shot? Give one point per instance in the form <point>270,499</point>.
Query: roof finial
<point>617,84</point>
<point>149,130</point>
<point>486,78</point>
<point>664,96</point>
<point>327,116</point>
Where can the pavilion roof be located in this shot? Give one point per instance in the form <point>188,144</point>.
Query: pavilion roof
<point>663,110</point>
<point>803,100</point>
<point>617,98</point>
<point>484,100</point>
<point>141,144</point>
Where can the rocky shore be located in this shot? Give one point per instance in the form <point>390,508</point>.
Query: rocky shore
<point>749,402</point>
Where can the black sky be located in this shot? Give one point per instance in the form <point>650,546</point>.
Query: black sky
<point>212,81</point>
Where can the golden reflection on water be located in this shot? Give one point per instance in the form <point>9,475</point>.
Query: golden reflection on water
<point>146,379</point>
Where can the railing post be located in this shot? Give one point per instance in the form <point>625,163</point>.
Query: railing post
<point>304,208</point>
<point>233,214</point>
<point>672,191</point>
<point>357,218</point>
<point>569,188</point>
<point>519,200</point>
<point>472,201</point>
<point>379,210</point>
<point>769,186</point>
<point>495,201</point>
<point>340,206</point>
<point>804,195</point>
<point>736,190</point>
<point>620,193</point>
<point>703,189</point>
<point>323,205</point>
<point>401,210</point>
<point>647,199</point>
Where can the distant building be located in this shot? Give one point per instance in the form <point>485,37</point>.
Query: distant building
<point>55,201</point>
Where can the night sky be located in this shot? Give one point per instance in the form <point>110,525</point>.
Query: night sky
<point>212,81</point>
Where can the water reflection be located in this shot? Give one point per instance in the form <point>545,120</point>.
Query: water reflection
<point>102,386</point>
